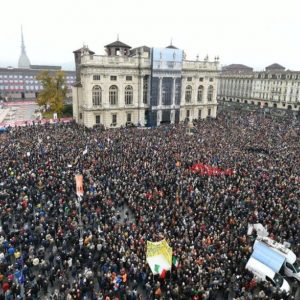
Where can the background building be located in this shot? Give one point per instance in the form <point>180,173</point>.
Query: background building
<point>17,83</point>
<point>21,82</point>
<point>274,88</point>
<point>146,86</point>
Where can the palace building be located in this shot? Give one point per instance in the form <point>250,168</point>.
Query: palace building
<point>142,86</point>
<point>275,88</point>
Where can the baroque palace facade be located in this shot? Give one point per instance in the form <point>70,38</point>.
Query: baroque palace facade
<point>275,88</point>
<point>142,86</point>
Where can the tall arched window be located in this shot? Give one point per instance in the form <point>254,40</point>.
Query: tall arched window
<point>145,93</point>
<point>128,94</point>
<point>97,95</point>
<point>210,93</point>
<point>200,93</point>
<point>113,95</point>
<point>145,89</point>
<point>188,94</point>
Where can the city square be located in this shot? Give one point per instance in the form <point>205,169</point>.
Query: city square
<point>166,170</point>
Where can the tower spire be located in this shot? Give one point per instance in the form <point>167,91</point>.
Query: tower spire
<point>23,60</point>
<point>22,40</point>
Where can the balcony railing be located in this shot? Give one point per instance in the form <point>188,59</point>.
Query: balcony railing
<point>115,60</point>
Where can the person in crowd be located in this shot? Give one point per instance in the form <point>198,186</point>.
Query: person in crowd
<point>139,186</point>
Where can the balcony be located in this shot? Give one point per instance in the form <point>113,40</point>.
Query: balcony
<point>200,65</point>
<point>102,60</point>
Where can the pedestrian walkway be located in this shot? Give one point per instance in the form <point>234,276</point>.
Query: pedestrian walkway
<point>3,113</point>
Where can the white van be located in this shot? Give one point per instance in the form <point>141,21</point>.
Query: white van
<point>291,265</point>
<point>264,273</point>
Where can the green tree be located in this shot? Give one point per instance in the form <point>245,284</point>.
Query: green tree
<point>54,91</point>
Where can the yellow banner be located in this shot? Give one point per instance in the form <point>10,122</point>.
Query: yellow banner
<point>159,248</point>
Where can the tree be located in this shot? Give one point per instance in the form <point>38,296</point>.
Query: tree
<point>54,91</point>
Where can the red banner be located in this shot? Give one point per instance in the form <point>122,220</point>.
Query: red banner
<point>209,170</point>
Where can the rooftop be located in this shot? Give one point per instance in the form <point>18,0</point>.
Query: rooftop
<point>118,44</point>
<point>274,67</point>
<point>236,67</point>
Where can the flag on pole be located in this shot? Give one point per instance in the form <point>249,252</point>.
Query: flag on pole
<point>159,257</point>
<point>175,262</point>
<point>79,185</point>
<point>85,151</point>
<point>156,268</point>
<point>163,274</point>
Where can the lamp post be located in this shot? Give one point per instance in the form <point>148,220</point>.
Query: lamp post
<point>78,204</point>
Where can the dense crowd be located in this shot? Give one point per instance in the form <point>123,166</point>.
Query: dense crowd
<point>138,186</point>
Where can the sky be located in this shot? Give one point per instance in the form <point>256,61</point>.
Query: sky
<point>256,33</point>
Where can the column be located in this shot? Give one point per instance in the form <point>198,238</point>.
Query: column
<point>140,100</point>
<point>182,98</point>
<point>173,101</point>
<point>173,92</point>
<point>159,102</point>
<point>159,116</point>
<point>172,116</point>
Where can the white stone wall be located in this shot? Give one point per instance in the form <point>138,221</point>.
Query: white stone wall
<point>137,68</point>
<point>199,78</point>
<point>260,88</point>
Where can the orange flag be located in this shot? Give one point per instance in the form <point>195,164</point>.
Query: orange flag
<point>79,185</point>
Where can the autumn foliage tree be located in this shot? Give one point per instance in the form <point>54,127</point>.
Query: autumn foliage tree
<point>54,91</point>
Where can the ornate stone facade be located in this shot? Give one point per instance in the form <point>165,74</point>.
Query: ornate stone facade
<point>128,86</point>
<point>275,87</point>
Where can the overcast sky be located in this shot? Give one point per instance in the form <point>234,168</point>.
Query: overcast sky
<point>252,32</point>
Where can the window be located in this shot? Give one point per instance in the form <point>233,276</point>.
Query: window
<point>188,113</point>
<point>211,79</point>
<point>200,93</point>
<point>177,91</point>
<point>201,79</point>
<point>189,79</point>
<point>128,95</point>
<point>97,119</point>
<point>210,93</point>
<point>199,114</point>
<point>97,95</point>
<point>290,267</point>
<point>113,78</point>
<point>269,280</point>
<point>167,91</point>
<point>96,77</point>
<point>114,119</point>
<point>128,78</point>
<point>128,117</point>
<point>209,112</point>
<point>113,95</point>
<point>188,94</point>
<point>80,116</point>
<point>145,93</point>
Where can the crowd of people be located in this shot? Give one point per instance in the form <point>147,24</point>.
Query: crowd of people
<point>139,187</point>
